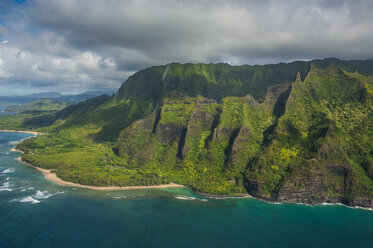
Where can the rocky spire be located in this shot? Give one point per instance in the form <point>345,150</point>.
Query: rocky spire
<point>313,67</point>
<point>298,79</point>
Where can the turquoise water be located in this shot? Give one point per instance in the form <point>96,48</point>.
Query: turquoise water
<point>37,213</point>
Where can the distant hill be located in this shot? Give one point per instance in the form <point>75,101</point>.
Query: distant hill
<point>81,97</point>
<point>44,95</point>
<point>38,105</point>
<point>13,100</point>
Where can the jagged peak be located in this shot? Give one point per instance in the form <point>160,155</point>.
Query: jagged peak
<point>203,100</point>
<point>334,69</point>
<point>313,68</point>
<point>298,78</point>
<point>251,100</point>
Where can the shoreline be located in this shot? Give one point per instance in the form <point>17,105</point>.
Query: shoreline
<point>17,131</point>
<point>51,176</point>
<point>222,197</point>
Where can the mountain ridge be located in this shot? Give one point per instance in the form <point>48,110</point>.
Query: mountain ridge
<point>304,137</point>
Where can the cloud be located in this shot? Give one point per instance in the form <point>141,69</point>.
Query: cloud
<point>4,41</point>
<point>77,44</point>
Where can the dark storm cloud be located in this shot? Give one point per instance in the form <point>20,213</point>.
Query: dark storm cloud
<point>99,43</point>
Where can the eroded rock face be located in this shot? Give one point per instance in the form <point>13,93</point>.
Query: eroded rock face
<point>306,159</point>
<point>222,133</point>
<point>137,138</point>
<point>174,118</point>
<point>244,148</point>
<point>287,149</point>
<point>169,132</point>
<point>200,124</point>
<point>331,184</point>
<point>273,94</point>
<point>312,186</point>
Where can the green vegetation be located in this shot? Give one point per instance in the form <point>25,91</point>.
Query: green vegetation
<point>314,136</point>
<point>31,121</point>
<point>221,129</point>
<point>38,106</point>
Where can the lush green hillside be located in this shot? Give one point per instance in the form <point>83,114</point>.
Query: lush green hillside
<point>38,105</point>
<point>286,132</point>
<point>316,150</point>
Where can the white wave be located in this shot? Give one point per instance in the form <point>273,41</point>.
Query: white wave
<point>30,188</point>
<point>40,194</point>
<point>119,197</point>
<point>37,197</point>
<point>13,142</point>
<point>5,187</point>
<point>29,199</point>
<point>45,194</point>
<point>369,209</point>
<point>9,170</point>
<point>187,198</point>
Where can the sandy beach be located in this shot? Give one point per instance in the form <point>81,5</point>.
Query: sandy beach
<point>17,131</point>
<point>51,176</point>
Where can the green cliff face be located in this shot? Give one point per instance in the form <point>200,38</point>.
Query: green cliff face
<point>315,152</point>
<point>287,132</point>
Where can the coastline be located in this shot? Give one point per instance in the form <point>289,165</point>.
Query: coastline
<point>17,131</point>
<point>51,176</point>
<point>222,197</point>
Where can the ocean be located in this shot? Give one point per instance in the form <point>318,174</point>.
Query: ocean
<point>37,213</point>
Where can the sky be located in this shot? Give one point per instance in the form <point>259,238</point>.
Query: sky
<point>72,46</point>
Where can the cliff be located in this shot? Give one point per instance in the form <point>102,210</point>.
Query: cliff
<point>287,132</point>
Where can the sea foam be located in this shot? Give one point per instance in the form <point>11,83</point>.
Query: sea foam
<point>37,197</point>
<point>45,194</point>
<point>29,199</point>
<point>9,170</point>
<point>119,197</point>
<point>5,187</point>
<point>13,142</point>
<point>187,198</point>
